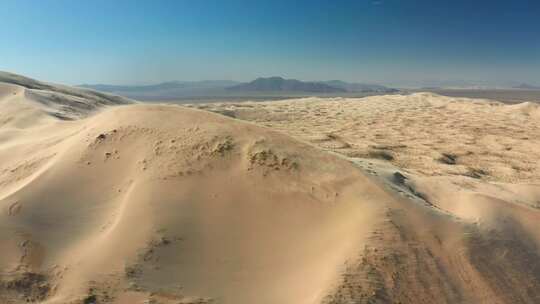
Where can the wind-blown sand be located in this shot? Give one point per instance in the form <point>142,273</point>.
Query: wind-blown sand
<point>424,133</point>
<point>164,204</point>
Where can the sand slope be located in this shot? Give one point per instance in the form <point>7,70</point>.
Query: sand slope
<point>166,204</point>
<point>182,202</point>
<point>57,100</point>
<point>471,167</point>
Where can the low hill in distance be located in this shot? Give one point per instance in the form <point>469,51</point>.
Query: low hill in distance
<point>360,87</point>
<point>526,86</point>
<point>166,90</point>
<point>171,85</point>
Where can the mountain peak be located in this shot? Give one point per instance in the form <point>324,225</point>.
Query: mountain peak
<point>276,83</point>
<point>527,86</point>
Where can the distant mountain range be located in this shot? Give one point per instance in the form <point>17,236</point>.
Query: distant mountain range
<point>275,84</point>
<point>271,85</point>
<point>465,84</point>
<point>525,86</point>
<point>172,85</point>
<point>165,90</point>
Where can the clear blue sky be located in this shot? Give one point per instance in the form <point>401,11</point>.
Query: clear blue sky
<point>386,41</point>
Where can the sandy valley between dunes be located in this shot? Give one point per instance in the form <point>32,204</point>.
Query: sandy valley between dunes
<point>384,199</point>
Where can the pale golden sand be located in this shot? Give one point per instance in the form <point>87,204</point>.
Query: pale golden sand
<point>417,199</point>
<point>423,132</point>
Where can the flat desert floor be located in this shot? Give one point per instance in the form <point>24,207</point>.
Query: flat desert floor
<point>502,95</point>
<point>384,199</point>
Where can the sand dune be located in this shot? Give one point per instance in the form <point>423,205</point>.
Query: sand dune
<point>472,163</point>
<point>423,132</point>
<point>166,204</point>
<point>178,201</point>
<point>58,100</point>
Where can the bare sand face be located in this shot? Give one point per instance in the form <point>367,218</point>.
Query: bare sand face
<point>166,204</point>
<point>423,132</point>
<point>473,163</point>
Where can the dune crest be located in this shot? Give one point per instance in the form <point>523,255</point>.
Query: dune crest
<point>58,100</point>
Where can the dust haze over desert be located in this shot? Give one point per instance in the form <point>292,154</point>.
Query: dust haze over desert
<point>261,153</point>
